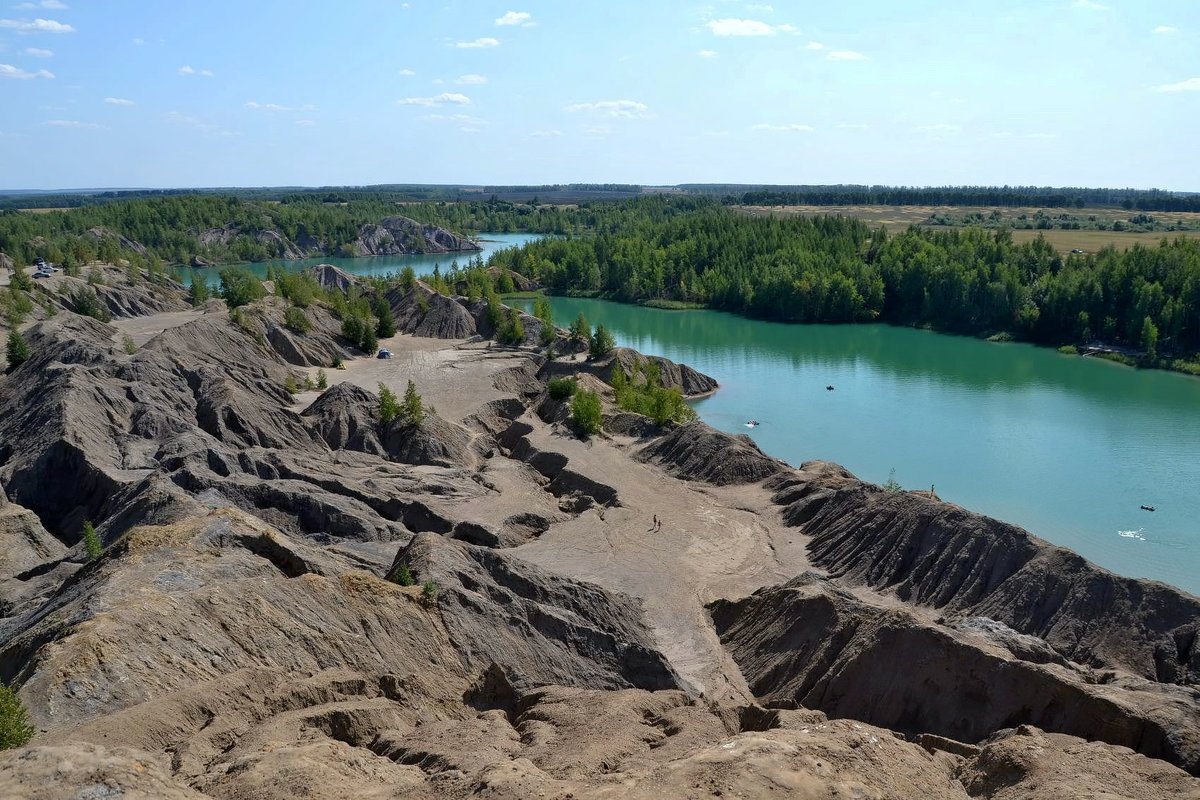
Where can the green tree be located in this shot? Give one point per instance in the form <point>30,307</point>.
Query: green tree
<point>15,728</point>
<point>17,351</point>
<point>239,287</point>
<point>413,411</point>
<point>128,345</point>
<point>322,380</point>
<point>408,278</point>
<point>1150,338</point>
<point>91,542</point>
<point>543,311</point>
<point>602,343</point>
<point>198,292</point>
<point>20,279</point>
<point>403,575</point>
<point>387,324</point>
<point>579,332</point>
<point>587,412</point>
<point>429,591</point>
<point>290,385</point>
<point>389,406</point>
<point>85,303</point>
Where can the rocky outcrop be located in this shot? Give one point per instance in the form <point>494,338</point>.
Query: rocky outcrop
<point>690,382</point>
<point>276,244</point>
<point>696,452</point>
<point>346,417</point>
<point>420,311</point>
<point>401,235</point>
<point>328,276</point>
<point>99,233</point>
<point>964,564</point>
<point>6,261</point>
<point>813,645</point>
<point>538,627</point>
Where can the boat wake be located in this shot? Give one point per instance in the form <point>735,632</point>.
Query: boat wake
<point>1133,534</point>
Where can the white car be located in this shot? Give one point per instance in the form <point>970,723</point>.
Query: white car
<point>44,271</point>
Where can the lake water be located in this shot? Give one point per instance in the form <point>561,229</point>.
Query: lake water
<point>1066,447</point>
<point>385,265</point>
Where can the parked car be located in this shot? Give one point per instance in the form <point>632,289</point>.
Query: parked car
<point>44,271</point>
<point>383,353</point>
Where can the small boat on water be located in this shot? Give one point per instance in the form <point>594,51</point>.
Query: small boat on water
<point>752,423</point>
<point>1148,508</point>
<point>829,388</point>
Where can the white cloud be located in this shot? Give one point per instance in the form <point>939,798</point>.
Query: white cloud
<point>707,53</point>
<point>463,119</point>
<point>938,128</point>
<point>740,27</point>
<point>36,26</point>
<point>785,28</point>
<point>188,70</point>
<point>1003,134</point>
<point>56,5</point>
<point>481,42</point>
<point>1165,29</point>
<point>118,101</point>
<point>522,18</point>
<point>305,123</point>
<point>760,8</point>
<point>408,73</point>
<point>814,46</point>
<point>199,124</point>
<point>139,41</point>
<point>790,128</point>
<point>547,133</point>
<point>469,129</point>
<point>277,107</point>
<point>845,55</point>
<point>73,123</point>
<point>623,109</point>
<point>471,80</point>
<point>452,98</point>
<point>852,126</point>
<point>38,52</point>
<point>9,71</point>
<point>1090,5</point>
<point>1190,85</point>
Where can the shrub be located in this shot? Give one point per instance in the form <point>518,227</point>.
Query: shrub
<point>892,485</point>
<point>586,412</point>
<point>423,304</point>
<point>429,590</point>
<point>18,350</point>
<point>290,385</point>
<point>403,576</point>
<point>512,330</point>
<point>91,542</point>
<point>408,278</point>
<point>562,388</point>
<point>602,343</point>
<point>85,303</point>
<point>198,293</point>
<point>20,279</point>
<point>322,380</point>
<point>239,287</point>
<point>543,311</point>
<point>389,406</point>
<point>413,410</point>
<point>295,319</point>
<point>95,276</point>
<point>128,345</point>
<point>579,332</point>
<point>15,728</point>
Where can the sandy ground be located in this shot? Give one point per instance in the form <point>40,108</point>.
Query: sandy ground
<point>713,543</point>
<point>143,329</point>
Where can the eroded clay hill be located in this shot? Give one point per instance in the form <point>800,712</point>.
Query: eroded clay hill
<point>297,599</point>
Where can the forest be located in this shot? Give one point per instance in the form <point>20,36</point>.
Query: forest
<point>1038,196</point>
<point>836,269</point>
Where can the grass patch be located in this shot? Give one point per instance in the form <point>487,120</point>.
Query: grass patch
<point>674,305</point>
<point>1069,350</point>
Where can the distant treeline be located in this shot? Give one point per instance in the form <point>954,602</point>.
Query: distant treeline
<point>1034,196</point>
<point>835,269</point>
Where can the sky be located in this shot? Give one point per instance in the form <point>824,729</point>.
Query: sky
<point>904,92</point>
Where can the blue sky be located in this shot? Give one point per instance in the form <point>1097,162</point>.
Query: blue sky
<point>214,93</point>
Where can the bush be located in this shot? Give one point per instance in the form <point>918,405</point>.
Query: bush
<point>408,278</point>
<point>239,287</point>
<point>413,410</point>
<point>429,590</point>
<point>15,728</point>
<point>562,388</point>
<point>295,319</point>
<point>403,576</point>
<point>649,397</point>
<point>199,290</point>
<point>579,332</point>
<point>512,330</point>
<point>290,385</point>
<point>602,343</point>
<point>91,542</point>
<point>18,350</point>
<point>322,380</point>
<point>543,311</point>
<point>389,406</point>
<point>128,345</point>
<point>20,279</point>
<point>586,412</point>
<point>85,303</point>
<point>892,485</point>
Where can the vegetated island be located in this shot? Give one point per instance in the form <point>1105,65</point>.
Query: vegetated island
<point>244,558</point>
<point>1140,305</point>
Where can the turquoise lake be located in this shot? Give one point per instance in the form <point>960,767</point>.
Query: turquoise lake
<point>1067,447</point>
